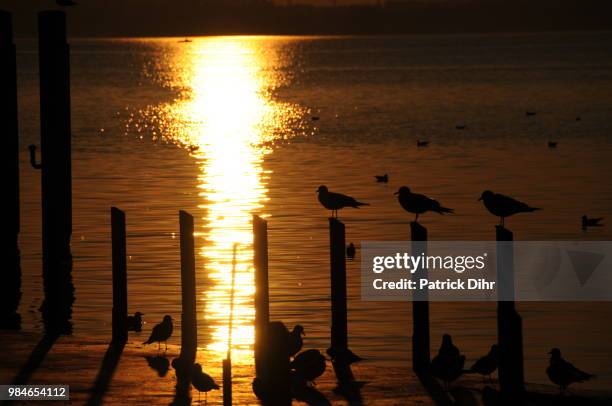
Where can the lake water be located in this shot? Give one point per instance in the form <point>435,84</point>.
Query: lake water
<point>222,127</point>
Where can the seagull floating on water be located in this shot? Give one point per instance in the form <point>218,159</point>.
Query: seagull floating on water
<point>336,201</point>
<point>419,204</point>
<point>201,380</point>
<point>531,113</point>
<point>382,178</point>
<point>315,118</point>
<point>422,143</point>
<point>350,251</point>
<point>65,3</point>
<point>295,339</point>
<point>134,323</point>
<point>461,127</point>
<point>486,365</point>
<point>161,332</point>
<point>309,364</point>
<point>448,364</point>
<point>553,144</point>
<point>591,222</point>
<point>563,373</point>
<point>504,206</point>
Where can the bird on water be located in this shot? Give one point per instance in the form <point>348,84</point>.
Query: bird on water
<point>504,206</point>
<point>486,365</point>
<point>336,201</point>
<point>201,380</point>
<point>422,143</point>
<point>382,178</point>
<point>351,251</point>
<point>418,204</point>
<point>563,373</point>
<point>161,332</point>
<point>134,323</point>
<point>591,222</point>
<point>448,364</point>
<point>295,339</point>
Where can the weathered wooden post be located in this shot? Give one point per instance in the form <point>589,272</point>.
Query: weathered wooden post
<point>509,323</point>
<point>227,382</point>
<point>339,322</point>
<point>119,254</point>
<point>189,337</point>
<point>55,142</point>
<point>420,305</point>
<point>262,301</point>
<point>10,291</point>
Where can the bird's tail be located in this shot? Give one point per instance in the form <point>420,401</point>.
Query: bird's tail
<point>357,204</point>
<point>532,209</point>
<point>442,210</point>
<point>147,342</point>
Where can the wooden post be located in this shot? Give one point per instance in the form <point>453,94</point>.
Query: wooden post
<point>420,305</point>
<point>227,382</point>
<point>10,291</point>
<point>189,338</point>
<point>509,323</point>
<point>262,301</point>
<point>55,141</point>
<point>120,306</point>
<point>339,322</point>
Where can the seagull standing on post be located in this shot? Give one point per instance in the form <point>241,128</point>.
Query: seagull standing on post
<point>336,201</point>
<point>419,204</point>
<point>503,206</point>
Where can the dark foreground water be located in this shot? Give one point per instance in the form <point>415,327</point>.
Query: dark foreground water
<point>222,127</point>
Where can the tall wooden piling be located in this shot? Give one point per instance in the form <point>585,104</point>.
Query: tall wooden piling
<point>227,382</point>
<point>10,291</point>
<point>509,323</point>
<point>339,322</point>
<point>420,305</point>
<point>262,301</point>
<point>55,141</point>
<point>119,254</point>
<point>189,338</point>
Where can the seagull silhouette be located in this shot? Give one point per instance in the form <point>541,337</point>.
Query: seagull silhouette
<point>161,332</point>
<point>202,381</point>
<point>562,373</point>
<point>422,143</point>
<point>336,201</point>
<point>134,323</point>
<point>531,113</point>
<point>65,3</point>
<point>309,364</point>
<point>591,222</point>
<point>418,204</point>
<point>350,251</point>
<point>382,178</point>
<point>486,365</point>
<point>448,364</point>
<point>504,206</point>
<point>553,144</point>
<point>295,339</point>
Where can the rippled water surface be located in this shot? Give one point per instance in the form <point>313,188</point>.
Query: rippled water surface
<point>223,127</point>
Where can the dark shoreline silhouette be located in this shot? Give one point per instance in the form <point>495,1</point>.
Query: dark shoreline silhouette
<point>146,18</point>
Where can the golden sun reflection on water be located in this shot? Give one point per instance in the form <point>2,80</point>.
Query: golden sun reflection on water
<point>227,118</point>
